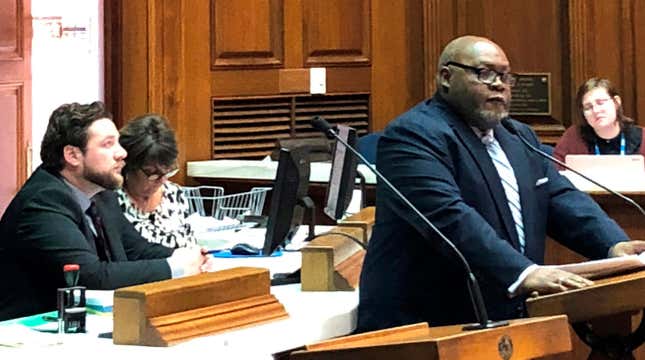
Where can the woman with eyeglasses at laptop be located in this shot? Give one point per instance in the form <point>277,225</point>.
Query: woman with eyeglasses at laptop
<point>154,205</point>
<point>602,128</point>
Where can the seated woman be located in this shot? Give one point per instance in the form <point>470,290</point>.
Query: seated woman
<point>153,204</point>
<point>602,127</point>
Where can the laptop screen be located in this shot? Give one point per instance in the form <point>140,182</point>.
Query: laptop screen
<point>604,163</point>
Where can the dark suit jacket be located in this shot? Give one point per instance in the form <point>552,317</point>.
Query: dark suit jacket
<point>437,161</point>
<point>44,228</point>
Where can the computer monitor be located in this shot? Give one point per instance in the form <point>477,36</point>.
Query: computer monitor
<point>342,179</point>
<point>289,198</point>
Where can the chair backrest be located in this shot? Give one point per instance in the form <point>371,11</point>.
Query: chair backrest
<point>367,146</point>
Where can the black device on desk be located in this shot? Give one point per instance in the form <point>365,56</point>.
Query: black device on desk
<point>289,199</point>
<point>71,302</point>
<point>342,179</point>
<point>244,249</point>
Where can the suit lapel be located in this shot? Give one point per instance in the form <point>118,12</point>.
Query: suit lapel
<point>489,173</point>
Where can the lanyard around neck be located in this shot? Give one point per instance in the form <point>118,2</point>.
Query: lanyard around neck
<point>622,145</point>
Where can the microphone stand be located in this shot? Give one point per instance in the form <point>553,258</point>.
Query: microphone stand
<point>513,130</point>
<point>483,322</point>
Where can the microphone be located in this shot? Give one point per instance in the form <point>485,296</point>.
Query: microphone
<point>320,124</point>
<point>476,297</point>
<point>508,125</point>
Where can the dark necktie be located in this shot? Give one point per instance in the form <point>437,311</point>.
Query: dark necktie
<point>102,249</point>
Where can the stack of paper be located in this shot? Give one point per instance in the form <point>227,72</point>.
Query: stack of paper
<point>599,268</point>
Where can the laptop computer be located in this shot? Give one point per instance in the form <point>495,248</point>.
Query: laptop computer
<point>625,173</point>
<point>606,163</point>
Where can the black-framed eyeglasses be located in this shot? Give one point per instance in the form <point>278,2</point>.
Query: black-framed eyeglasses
<point>156,175</point>
<point>486,75</point>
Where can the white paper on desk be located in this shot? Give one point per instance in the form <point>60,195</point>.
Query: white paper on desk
<point>201,224</point>
<point>16,335</point>
<point>220,240</point>
<point>598,268</point>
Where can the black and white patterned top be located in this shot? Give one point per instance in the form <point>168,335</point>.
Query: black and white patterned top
<point>166,225</point>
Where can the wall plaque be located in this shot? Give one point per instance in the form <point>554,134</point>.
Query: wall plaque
<point>531,95</point>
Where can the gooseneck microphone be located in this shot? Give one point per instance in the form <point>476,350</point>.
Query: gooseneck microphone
<point>473,286</point>
<point>508,125</point>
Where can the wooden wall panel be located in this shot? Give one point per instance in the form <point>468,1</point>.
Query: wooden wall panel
<point>398,65</point>
<point>639,62</point>
<point>11,118</point>
<point>336,32</point>
<point>603,37</point>
<point>439,26</point>
<point>247,33</point>
<point>10,30</point>
<point>130,53</point>
<point>195,127</point>
<point>15,96</point>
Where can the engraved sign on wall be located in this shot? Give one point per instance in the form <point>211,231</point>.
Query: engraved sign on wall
<point>531,95</point>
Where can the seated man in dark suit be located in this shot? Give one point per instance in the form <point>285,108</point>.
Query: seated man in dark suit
<point>66,213</point>
<point>490,195</point>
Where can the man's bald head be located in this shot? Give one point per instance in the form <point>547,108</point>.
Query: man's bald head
<point>465,49</point>
<point>480,102</point>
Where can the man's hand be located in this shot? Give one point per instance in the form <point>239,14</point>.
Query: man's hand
<point>187,261</point>
<point>624,248</point>
<point>546,280</point>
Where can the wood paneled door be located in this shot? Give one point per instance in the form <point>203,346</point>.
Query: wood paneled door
<point>15,96</point>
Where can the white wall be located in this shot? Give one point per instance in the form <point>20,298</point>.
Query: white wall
<point>67,59</point>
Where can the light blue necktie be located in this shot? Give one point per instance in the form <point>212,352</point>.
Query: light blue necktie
<point>509,182</point>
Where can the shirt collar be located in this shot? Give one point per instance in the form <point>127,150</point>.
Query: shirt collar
<point>486,137</point>
<point>81,198</point>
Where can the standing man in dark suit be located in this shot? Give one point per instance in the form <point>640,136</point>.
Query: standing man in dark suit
<point>66,213</point>
<point>490,195</point>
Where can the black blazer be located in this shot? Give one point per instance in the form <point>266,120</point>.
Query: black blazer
<point>44,228</point>
<point>437,161</point>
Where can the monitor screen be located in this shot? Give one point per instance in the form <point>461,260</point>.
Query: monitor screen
<point>288,198</point>
<point>342,179</point>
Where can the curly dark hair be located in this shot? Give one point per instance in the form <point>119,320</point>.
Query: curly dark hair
<point>68,125</point>
<point>586,131</point>
<point>149,141</point>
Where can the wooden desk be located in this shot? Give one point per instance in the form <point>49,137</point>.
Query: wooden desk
<point>631,220</point>
<point>313,316</point>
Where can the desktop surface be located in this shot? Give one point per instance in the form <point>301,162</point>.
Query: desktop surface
<point>288,262</point>
<point>313,316</point>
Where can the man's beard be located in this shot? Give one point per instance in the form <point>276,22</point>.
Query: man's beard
<point>486,119</point>
<point>106,180</point>
<point>490,118</point>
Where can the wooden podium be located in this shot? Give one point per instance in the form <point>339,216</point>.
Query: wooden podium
<point>521,339</point>
<point>333,261</point>
<point>601,315</point>
<point>167,312</point>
